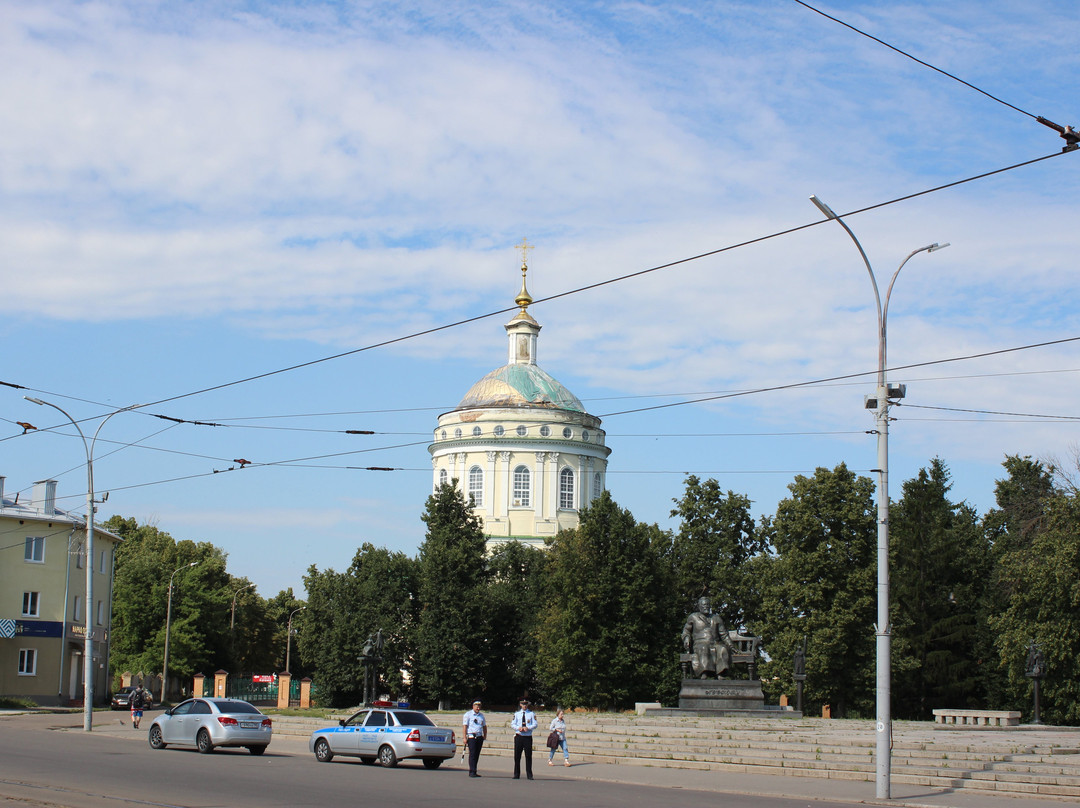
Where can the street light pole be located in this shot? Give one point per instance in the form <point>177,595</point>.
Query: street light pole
<point>880,404</point>
<point>88,642</point>
<point>168,624</point>
<point>288,641</point>
<point>232,622</point>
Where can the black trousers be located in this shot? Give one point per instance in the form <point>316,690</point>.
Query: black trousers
<point>475,745</point>
<point>523,745</point>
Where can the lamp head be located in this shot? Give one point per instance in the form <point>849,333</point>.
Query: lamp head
<point>33,400</point>
<point>829,214</point>
<point>935,246</point>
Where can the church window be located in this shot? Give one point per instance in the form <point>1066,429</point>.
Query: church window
<point>443,477</point>
<point>522,430</point>
<point>567,432</point>
<point>457,432</point>
<point>522,487</point>
<point>442,435</point>
<point>585,435</point>
<point>499,431</point>
<point>566,488</point>
<point>597,486</point>
<point>476,486</point>
<point>545,431</point>
<point>477,432</point>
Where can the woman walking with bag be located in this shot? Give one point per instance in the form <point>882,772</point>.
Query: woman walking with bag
<point>557,738</point>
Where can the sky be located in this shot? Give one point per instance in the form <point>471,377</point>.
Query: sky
<point>285,220</point>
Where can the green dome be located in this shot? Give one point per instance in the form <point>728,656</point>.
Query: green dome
<point>520,386</point>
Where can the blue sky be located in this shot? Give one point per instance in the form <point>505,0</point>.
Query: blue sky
<point>197,193</point>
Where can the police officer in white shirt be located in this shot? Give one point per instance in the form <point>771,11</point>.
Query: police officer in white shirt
<point>523,723</point>
<point>474,728</point>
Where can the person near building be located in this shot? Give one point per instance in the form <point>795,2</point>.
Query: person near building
<point>474,728</point>
<point>523,723</point>
<point>558,729</point>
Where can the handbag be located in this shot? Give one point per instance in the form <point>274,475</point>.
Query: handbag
<point>553,740</point>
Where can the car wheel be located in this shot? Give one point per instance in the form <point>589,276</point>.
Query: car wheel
<point>156,741</point>
<point>202,740</point>
<point>323,754</point>
<point>256,750</point>
<point>432,763</point>
<point>387,757</point>
<point>367,760</point>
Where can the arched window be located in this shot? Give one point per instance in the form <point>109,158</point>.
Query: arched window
<point>444,478</point>
<point>566,488</point>
<point>476,486</point>
<point>477,431</point>
<point>522,488</point>
<point>597,486</point>
<point>457,432</point>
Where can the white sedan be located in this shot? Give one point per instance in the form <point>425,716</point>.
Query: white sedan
<point>209,723</point>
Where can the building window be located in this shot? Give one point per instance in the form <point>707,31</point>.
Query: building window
<point>522,431</point>
<point>443,477</point>
<point>27,662</point>
<point>457,432</point>
<point>76,611</point>
<point>585,435</point>
<point>442,435</point>
<point>545,430</point>
<point>101,612</point>
<point>477,432</point>
<point>34,549</point>
<point>566,489</point>
<point>567,432</point>
<point>31,604</point>
<point>80,557</point>
<point>499,431</point>
<point>476,486</point>
<point>522,488</point>
<point>101,567</point>
<point>597,486</point>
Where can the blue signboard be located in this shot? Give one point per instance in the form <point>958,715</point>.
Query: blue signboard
<point>39,628</point>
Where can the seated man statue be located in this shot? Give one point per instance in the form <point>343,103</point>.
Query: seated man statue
<point>712,649</point>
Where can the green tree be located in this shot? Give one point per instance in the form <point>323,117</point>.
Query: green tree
<point>711,552</point>
<point>939,564</point>
<point>1041,588</point>
<point>608,637</point>
<point>821,584</point>
<point>375,594</point>
<point>515,596</point>
<point>452,641</point>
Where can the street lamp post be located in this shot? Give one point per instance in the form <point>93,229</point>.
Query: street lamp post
<point>880,404</point>
<point>88,647</point>
<point>288,641</point>
<point>168,625</point>
<point>232,621</point>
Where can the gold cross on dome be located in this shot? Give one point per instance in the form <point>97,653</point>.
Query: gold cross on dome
<point>524,246</point>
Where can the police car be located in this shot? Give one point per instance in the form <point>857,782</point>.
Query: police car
<point>385,735</point>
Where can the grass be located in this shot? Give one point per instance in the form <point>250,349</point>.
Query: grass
<point>8,703</point>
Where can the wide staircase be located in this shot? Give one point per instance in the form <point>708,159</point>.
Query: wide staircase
<point>1028,761</point>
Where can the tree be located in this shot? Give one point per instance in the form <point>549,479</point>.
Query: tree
<point>711,552</point>
<point>516,594</point>
<point>375,594</point>
<point>820,584</point>
<point>452,642</point>
<point>939,565</point>
<point>608,636</point>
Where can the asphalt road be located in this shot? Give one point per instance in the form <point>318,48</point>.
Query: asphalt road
<point>47,760</point>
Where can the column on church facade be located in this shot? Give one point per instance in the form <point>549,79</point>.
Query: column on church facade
<point>553,483</point>
<point>539,506</point>
<point>508,483</point>
<point>489,485</point>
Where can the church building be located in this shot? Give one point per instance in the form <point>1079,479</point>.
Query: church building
<point>521,445</point>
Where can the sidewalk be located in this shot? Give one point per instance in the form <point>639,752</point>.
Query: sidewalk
<point>811,789</point>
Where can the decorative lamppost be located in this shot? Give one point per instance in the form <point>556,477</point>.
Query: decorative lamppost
<point>288,640</point>
<point>232,620</point>
<point>879,402</point>
<point>88,646</point>
<point>168,624</point>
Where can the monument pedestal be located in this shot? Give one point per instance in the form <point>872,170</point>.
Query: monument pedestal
<point>734,695</point>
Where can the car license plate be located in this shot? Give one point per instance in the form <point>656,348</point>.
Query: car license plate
<point>249,725</point>
<point>436,739</point>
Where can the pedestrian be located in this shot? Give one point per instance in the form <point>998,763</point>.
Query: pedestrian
<point>558,729</point>
<point>474,728</point>
<point>138,701</point>
<point>523,723</point>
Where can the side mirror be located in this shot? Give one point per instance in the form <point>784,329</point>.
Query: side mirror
<point>341,722</point>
